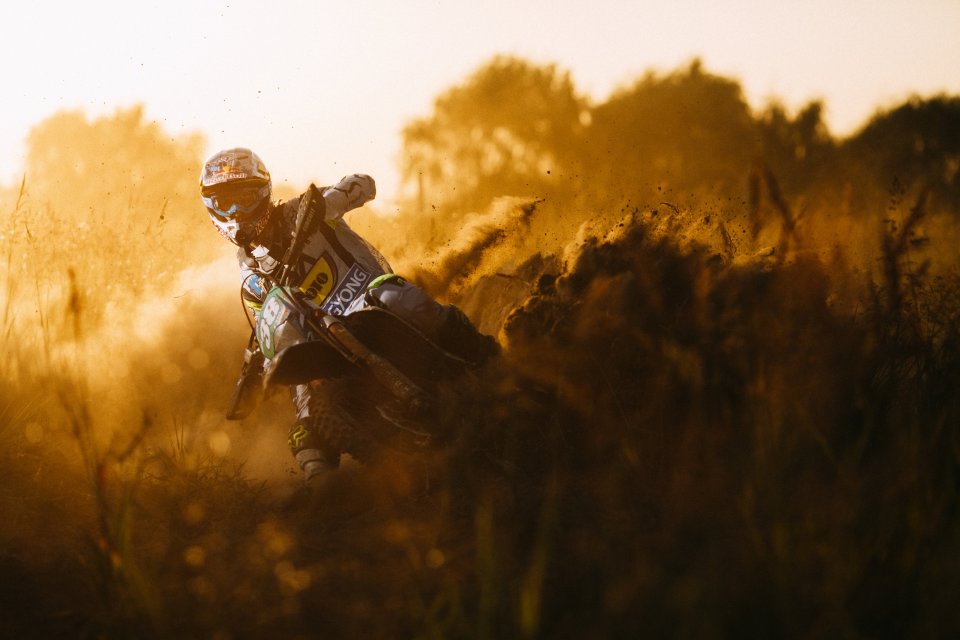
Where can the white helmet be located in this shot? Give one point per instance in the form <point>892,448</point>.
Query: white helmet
<point>235,188</point>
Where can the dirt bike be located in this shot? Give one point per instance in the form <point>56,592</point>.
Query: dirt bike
<point>380,379</point>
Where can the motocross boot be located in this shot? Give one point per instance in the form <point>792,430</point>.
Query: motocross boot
<point>314,456</point>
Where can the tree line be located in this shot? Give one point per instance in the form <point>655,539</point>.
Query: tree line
<point>518,128</point>
<point>512,127</point>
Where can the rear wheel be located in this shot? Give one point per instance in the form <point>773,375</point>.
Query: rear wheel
<point>348,418</point>
<point>334,416</point>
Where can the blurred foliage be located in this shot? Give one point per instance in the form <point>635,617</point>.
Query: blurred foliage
<point>511,126</point>
<point>686,133</point>
<point>75,164</point>
<point>727,404</point>
<point>917,142</point>
<point>735,455</point>
<point>113,199</point>
<point>686,130</point>
<point>799,149</point>
<point>675,444</point>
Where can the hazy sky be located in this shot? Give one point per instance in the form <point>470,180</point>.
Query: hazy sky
<point>320,88</point>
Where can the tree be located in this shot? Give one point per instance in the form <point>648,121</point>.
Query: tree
<point>914,144</point>
<point>111,196</point>
<point>72,160</point>
<point>798,150</point>
<point>508,130</point>
<point>688,129</point>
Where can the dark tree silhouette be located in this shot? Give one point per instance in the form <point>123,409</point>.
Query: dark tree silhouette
<point>686,129</point>
<point>916,144</point>
<point>799,150</point>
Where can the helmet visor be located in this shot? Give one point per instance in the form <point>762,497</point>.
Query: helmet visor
<point>228,202</point>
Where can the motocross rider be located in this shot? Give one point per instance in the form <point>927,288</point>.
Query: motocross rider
<point>338,268</point>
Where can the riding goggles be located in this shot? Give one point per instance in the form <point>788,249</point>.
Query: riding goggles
<point>228,202</point>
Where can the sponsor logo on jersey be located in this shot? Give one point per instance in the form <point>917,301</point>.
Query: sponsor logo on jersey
<point>254,286</point>
<point>349,289</point>
<point>319,282</point>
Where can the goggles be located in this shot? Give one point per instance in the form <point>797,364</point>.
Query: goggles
<point>227,202</point>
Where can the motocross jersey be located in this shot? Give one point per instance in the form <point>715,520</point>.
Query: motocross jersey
<point>335,266</point>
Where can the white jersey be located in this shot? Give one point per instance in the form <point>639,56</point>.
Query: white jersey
<point>336,264</point>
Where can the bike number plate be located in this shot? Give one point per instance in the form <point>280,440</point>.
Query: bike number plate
<point>273,314</point>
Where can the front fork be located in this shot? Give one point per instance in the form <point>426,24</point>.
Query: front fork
<point>249,386</point>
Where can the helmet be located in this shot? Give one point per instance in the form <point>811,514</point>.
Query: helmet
<point>235,188</point>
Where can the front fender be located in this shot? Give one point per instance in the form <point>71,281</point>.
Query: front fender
<point>300,363</point>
